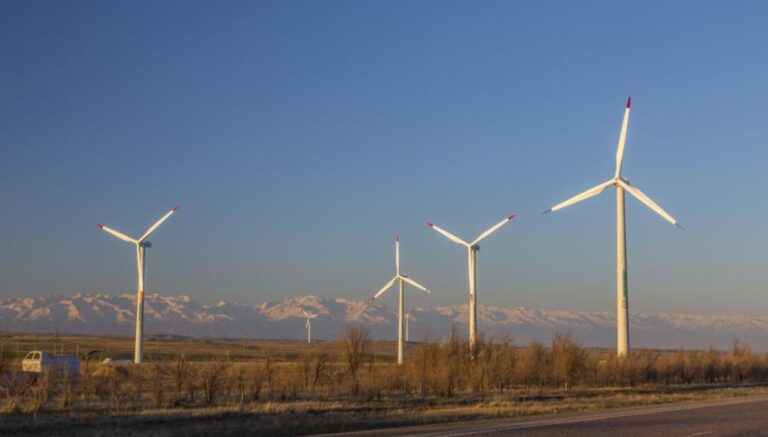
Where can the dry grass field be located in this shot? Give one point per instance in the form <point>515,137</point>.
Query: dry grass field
<point>230,387</point>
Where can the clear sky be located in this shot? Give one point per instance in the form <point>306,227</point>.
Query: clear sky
<point>300,137</point>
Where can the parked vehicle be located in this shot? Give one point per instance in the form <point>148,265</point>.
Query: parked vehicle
<point>41,361</point>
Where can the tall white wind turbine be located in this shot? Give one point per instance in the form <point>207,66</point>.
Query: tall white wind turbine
<point>309,324</point>
<point>401,280</point>
<point>472,249</point>
<point>141,245</point>
<point>622,185</point>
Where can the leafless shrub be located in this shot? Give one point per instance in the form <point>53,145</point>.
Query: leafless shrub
<point>212,379</point>
<point>319,367</point>
<point>180,373</point>
<point>5,355</point>
<point>13,390</point>
<point>158,373</point>
<point>116,383</point>
<point>269,371</point>
<point>531,367</point>
<point>504,364</point>
<point>569,360</point>
<point>250,382</point>
<point>354,344</point>
<point>425,364</point>
<point>41,391</point>
<point>454,364</point>
<point>745,364</point>
<point>68,384</point>
<point>192,386</point>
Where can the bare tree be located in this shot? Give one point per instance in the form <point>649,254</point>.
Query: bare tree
<point>212,379</point>
<point>530,368</point>
<point>157,377</point>
<point>354,343</point>
<point>318,369</point>
<point>180,375</point>
<point>569,360</point>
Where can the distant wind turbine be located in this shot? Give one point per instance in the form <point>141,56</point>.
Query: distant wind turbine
<point>309,324</point>
<point>472,249</point>
<point>621,184</point>
<point>407,325</point>
<point>401,279</point>
<point>141,245</point>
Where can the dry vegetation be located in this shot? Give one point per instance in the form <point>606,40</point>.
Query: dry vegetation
<point>287,388</point>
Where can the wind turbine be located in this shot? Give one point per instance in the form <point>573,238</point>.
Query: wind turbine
<point>622,185</point>
<point>401,279</point>
<point>472,249</point>
<point>407,324</point>
<point>141,245</point>
<point>309,324</point>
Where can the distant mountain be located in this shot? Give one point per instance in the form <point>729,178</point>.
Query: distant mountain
<point>86,313</point>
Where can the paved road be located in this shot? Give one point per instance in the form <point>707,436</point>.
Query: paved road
<point>740,417</point>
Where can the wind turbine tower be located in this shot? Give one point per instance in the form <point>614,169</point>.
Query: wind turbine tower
<point>141,245</point>
<point>401,280</point>
<point>622,185</point>
<point>472,249</point>
<point>309,324</point>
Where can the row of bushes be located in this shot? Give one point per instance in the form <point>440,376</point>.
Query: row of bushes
<point>433,369</point>
<point>443,368</point>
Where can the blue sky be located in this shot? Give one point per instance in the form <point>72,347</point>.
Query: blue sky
<point>300,137</point>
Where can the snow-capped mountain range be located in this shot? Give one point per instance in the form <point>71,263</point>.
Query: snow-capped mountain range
<point>104,314</point>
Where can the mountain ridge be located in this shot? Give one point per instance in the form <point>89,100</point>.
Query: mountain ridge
<point>106,314</point>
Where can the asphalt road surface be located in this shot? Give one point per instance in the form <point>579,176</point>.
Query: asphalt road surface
<point>735,417</point>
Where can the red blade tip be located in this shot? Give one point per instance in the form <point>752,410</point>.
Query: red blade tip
<point>175,208</point>
<point>430,225</point>
<point>511,217</point>
<point>372,299</point>
<point>629,102</point>
<point>100,226</point>
<point>397,238</point>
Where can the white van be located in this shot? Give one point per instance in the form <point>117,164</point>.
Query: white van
<point>40,361</point>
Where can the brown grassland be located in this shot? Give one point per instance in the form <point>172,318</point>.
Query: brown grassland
<point>231,387</point>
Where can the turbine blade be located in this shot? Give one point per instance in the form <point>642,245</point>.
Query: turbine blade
<point>594,191</point>
<point>158,223</point>
<point>639,195</point>
<point>448,235</point>
<point>492,229</point>
<point>415,284</point>
<point>306,314</point>
<point>307,324</point>
<point>397,255</point>
<point>117,234</point>
<point>386,287</point>
<point>622,139</point>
